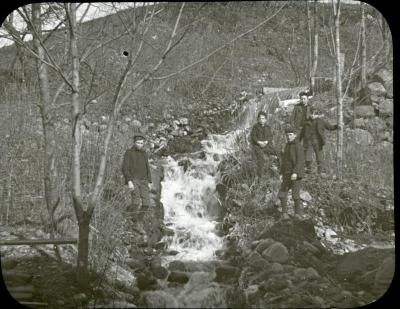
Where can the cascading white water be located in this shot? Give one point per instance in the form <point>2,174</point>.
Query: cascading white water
<point>189,197</point>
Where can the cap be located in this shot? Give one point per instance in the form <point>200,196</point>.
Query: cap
<point>138,136</point>
<point>290,129</point>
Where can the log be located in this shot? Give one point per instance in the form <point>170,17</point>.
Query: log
<point>22,289</point>
<point>18,242</point>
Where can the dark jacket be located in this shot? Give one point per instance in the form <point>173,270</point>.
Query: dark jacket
<point>316,128</point>
<point>292,160</point>
<point>136,165</point>
<point>262,133</point>
<point>300,115</point>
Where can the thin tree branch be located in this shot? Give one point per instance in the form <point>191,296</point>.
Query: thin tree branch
<point>219,48</point>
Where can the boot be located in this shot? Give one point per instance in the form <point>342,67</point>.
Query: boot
<point>284,208</point>
<point>298,207</point>
<point>308,167</point>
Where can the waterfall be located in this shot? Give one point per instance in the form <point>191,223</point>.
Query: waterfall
<point>189,199</point>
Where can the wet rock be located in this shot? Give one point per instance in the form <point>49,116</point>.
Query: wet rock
<point>161,245</point>
<point>135,263</point>
<point>158,299</point>
<point>277,252</point>
<point>264,244</point>
<point>167,231</point>
<point>256,261</point>
<point>177,266</point>
<point>311,248</point>
<point>302,274</point>
<point>172,252</point>
<point>276,268</point>
<point>275,284</point>
<point>146,281</point>
<point>364,111</point>
<point>178,277</point>
<point>160,272</point>
<point>227,274</point>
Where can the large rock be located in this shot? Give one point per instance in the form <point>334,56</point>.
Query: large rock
<point>354,267</point>
<point>227,274</point>
<point>264,244</point>
<point>364,111</point>
<point>256,261</point>
<point>359,136</point>
<point>177,266</point>
<point>178,277</point>
<point>277,252</point>
<point>376,88</point>
<point>158,299</point>
<point>386,108</point>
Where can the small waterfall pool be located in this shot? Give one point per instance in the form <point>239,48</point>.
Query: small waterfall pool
<point>190,200</point>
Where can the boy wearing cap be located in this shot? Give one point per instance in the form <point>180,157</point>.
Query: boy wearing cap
<point>301,112</point>
<point>313,136</point>
<point>261,142</point>
<point>292,171</point>
<point>136,171</point>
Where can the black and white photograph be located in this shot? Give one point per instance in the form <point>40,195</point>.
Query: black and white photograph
<point>232,154</point>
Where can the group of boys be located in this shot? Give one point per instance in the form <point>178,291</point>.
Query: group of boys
<point>306,125</point>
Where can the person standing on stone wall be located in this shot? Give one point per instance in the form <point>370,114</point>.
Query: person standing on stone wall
<point>136,171</point>
<point>313,136</point>
<point>292,171</point>
<point>300,115</point>
<point>261,142</point>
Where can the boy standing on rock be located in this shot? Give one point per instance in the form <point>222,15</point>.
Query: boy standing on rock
<point>292,171</point>
<point>261,141</point>
<point>136,171</point>
<point>313,136</point>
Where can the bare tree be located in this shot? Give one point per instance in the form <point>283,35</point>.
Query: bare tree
<point>363,49</point>
<point>339,98</point>
<point>315,45</point>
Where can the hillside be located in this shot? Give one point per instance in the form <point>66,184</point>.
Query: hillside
<point>260,58</point>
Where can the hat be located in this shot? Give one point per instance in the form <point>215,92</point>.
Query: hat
<point>290,129</point>
<point>138,136</point>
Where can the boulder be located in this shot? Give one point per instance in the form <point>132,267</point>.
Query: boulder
<point>158,299</point>
<point>386,108</point>
<point>226,274</point>
<point>177,266</point>
<point>376,88</point>
<point>178,277</point>
<point>385,77</point>
<point>302,274</point>
<point>277,252</point>
<point>256,261</point>
<point>364,111</point>
<point>264,244</point>
<point>146,281</point>
<point>160,272</point>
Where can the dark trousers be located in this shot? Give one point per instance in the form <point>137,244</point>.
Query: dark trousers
<point>140,199</point>
<point>309,148</point>
<point>287,184</point>
<point>261,156</point>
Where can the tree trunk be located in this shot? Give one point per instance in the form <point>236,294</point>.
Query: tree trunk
<point>50,169</point>
<point>83,251</point>
<point>363,49</point>
<point>315,54</point>
<point>339,154</point>
<point>310,79</point>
